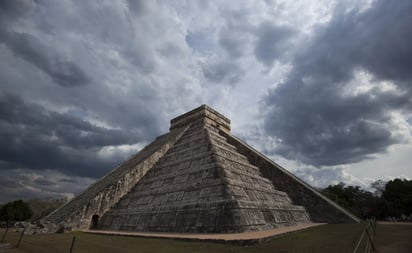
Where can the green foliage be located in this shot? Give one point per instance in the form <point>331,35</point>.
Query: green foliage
<point>34,209</point>
<point>397,198</point>
<point>353,198</point>
<point>389,199</point>
<point>15,211</point>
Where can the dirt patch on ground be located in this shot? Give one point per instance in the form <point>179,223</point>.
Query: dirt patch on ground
<point>213,237</point>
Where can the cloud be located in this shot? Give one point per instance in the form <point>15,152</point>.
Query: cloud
<point>29,48</point>
<point>322,178</point>
<point>40,139</point>
<point>15,8</point>
<point>116,63</point>
<point>223,72</point>
<point>86,84</point>
<point>63,72</point>
<point>138,6</point>
<point>237,33</point>
<point>199,41</point>
<point>231,41</point>
<point>315,115</point>
<point>273,42</point>
<point>28,184</point>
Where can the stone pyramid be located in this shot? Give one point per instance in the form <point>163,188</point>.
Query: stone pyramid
<point>197,178</point>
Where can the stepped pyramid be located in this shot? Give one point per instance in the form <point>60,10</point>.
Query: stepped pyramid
<point>197,178</point>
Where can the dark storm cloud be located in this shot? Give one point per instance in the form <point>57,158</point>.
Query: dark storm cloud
<point>29,48</point>
<point>44,182</point>
<point>128,70</point>
<point>223,72</point>
<point>273,42</point>
<point>138,6</point>
<point>310,114</point>
<point>34,137</point>
<point>14,8</point>
<point>28,184</point>
<point>63,72</point>
<point>10,11</point>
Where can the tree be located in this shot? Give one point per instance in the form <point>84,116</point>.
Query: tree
<point>397,198</point>
<point>378,186</point>
<point>15,211</point>
<point>356,200</point>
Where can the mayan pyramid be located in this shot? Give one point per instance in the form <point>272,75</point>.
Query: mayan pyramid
<point>197,178</point>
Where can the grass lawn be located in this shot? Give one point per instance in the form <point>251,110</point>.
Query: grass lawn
<point>394,238</point>
<point>333,238</point>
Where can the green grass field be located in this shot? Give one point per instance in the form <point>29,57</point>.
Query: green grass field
<point>394,238</point>
<point>333,238</point>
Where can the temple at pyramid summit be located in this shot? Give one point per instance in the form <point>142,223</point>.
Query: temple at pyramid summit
<point>197,178</point>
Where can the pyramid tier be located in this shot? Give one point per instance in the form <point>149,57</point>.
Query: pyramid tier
<point>202,185</point>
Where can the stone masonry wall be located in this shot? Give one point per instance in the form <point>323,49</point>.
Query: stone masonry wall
<point>183,192</point>
<point>107,191</point>
<point>259,206</point>
<point>203,185</point>
<point>320,208</point>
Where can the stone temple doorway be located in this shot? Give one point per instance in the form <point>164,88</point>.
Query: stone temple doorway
<point>95,221</point>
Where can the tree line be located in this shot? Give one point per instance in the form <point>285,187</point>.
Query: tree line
<point>391,200</point>
<point>32,210</point>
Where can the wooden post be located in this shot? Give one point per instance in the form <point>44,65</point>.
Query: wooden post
<point>359,242</point>
<point>21,237</point>
<point>369,238</point>
<point>374,226</point>
<point>5,233</point>
<point>367,248</point>
<point>71,247</point>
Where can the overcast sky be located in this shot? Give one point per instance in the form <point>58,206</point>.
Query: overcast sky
<point>322,87</point>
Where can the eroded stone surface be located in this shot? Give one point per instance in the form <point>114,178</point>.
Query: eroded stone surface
<point>106,192</point>
<point>320,208</point>
<point>203,185</point>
